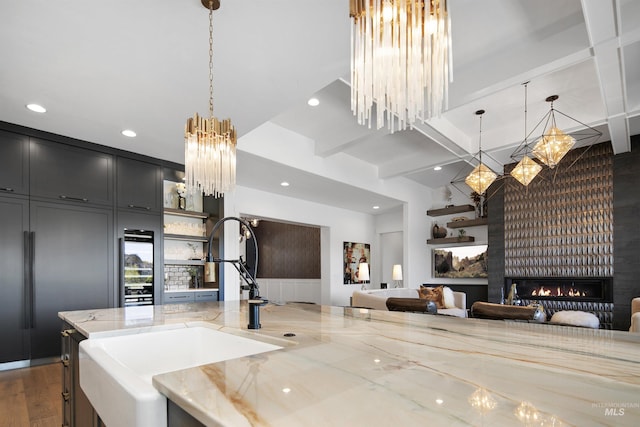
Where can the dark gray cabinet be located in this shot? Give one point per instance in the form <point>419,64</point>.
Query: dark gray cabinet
<point>184,297</point>
<point>14,163</point>
<point>73,267</point>
<point>179,297</point>
<point>59,210</point>
<point>15,310</point>
<point>139,185</point>
<point>53,257</point>
<point>76,408</point>
<point>67,173</point>
<point>205,296</point>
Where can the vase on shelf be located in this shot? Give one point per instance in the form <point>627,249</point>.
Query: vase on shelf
<point>438,232</point>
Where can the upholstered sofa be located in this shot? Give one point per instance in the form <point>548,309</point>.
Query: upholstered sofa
<point>377,299</point>
<point>635,315</point>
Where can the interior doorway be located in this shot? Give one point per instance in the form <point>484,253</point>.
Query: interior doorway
<point>391,253</point>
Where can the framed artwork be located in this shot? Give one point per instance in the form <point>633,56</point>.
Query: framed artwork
<point>353,254</point>
<point>468,262</point>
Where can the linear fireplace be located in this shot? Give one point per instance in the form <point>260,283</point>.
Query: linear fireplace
<point>592,294</point>
<point>597,289</point>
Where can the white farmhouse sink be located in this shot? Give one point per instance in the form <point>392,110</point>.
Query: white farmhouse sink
<point>116,372</point>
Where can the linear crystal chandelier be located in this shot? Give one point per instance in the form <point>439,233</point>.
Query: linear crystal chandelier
<point>400,59</point>
<point>210,144</point>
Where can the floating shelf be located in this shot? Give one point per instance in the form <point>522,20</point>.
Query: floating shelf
<point>447,240</point>
<point>451,210</point>
<point>186,238</point>
<point>468,223</point>
<point>191,214</point>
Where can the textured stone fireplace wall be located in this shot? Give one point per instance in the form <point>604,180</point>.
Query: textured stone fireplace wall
<point>625,268</point>
<point>562,225</point>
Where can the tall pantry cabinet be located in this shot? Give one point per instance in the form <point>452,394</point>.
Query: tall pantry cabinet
<point>56,234</point>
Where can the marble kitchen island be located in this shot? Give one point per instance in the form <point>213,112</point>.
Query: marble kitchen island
<point>348,366</point>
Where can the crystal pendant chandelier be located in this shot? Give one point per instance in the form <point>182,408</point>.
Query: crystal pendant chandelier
<point>526,169</point>
<point>400,59</point>
<point>210,144</point>
<point>481,177</point>
<point>553,144</point>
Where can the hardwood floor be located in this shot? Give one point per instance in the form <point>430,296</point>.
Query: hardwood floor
<point>30,397</point>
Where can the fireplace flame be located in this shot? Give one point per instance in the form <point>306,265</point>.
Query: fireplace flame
<point>544,292</point>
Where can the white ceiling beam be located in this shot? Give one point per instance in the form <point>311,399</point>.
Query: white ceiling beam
<point>600,18</point>
<point>326,147</point>
<point>449,137</point>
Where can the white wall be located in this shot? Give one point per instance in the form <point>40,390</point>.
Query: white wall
<point>337,225</point>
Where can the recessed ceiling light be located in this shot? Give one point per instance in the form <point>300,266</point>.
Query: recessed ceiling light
<point>36,108</point>
<point>129,133</point>
<point>314,102</point>
<point>376,207</point>
<point>284,184</point>
<point>286,390</point>
<point>439,401</point>
<point>437,168</point>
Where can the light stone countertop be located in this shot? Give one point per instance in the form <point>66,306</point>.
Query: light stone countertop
<point>351,367</point>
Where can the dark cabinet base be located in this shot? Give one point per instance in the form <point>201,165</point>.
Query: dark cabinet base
<point>178,417</point>
<point>76,408</point>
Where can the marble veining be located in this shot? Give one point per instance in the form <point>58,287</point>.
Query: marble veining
<point>349,366</point>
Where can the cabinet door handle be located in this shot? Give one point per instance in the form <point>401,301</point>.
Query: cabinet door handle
<point>32,285</point>
<point>7,189</point>
<point>26,243</point>
<point>121,291</point>
<point>144,208</point>
<point>74,199</point>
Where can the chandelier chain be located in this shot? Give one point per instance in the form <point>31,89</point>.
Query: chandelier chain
<point>525,111</point>
<point>480,139</point>
<point>210,59</point>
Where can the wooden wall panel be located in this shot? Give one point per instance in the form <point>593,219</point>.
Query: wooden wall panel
<point>288,251</point>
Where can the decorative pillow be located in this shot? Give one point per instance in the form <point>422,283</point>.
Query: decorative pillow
<point>449,300</point>
<point>432,294</point>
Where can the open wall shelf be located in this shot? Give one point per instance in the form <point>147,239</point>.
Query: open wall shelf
<point>468,223</point>
<point>190,214</point>
<point>449,240</point>
<point>451,210</point>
